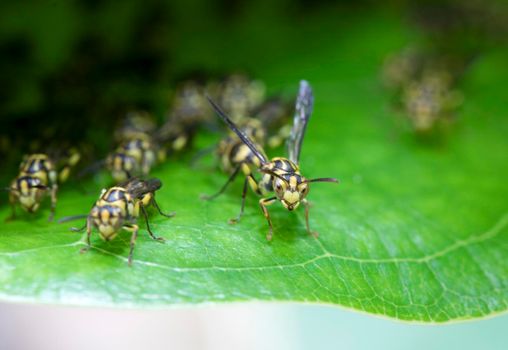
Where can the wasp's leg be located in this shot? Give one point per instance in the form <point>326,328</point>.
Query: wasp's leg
<point>264,202</point>
<point>134,229</point>
<point>143,210</point>
<point>307,206</point>
<point>88,233</point>
<point>252,181</point>
<point>221,191</point>
<point>244,194</point>
<point>54,190</point>
<point>200,154</point>
<point>12,202</point>
<point>156,205</point>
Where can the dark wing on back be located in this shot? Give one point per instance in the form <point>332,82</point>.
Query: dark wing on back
<point>245,139</point>
<point>137,188</point>
<point>303,111</point>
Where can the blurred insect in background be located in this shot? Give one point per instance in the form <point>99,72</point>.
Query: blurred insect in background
<point>118,208</point>
<point>423,86</point>
<point>240,96</point>
<point>269,127</point>
<point>137,150</point>
<point>189,110</point>
<point>430,100</point>
<point>134,157</point>
<point>275,117</point>
<point>280,175</point>
<point>135,124</point>
<point>39,176</point>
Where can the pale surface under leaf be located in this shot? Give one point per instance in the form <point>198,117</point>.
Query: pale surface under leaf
<point>414,231</point>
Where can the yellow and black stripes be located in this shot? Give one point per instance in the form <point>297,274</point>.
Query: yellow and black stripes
<point>132,158</point>
<point>37,178</point>
<point>279,175</point>
<point>119,207</point>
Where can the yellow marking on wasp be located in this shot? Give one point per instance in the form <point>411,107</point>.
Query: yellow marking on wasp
<point>291,197</point>
<point>105,216</point>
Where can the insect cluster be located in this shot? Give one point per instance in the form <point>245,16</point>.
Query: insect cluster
<point>254,123</point>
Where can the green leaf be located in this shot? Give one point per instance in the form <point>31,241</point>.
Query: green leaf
<point>414,231</point>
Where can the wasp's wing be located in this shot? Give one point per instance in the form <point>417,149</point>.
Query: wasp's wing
<point>245,139</point>
<point>303,111</point>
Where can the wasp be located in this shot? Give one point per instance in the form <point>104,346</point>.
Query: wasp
<point>274,115</point>
<point>430,100</point>
<point>134,157</point>
<point>280,176</point>
<point>39,175</point>
<point>135,124</point>
<point>137,150</point>
<point>189,110</point>
<point>118,208</point>
<point>235,156</point>
<point>239,96</point>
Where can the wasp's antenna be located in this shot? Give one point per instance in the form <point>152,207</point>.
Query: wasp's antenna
<point>270,172</point>
<point>324,179</point>
<point>245,139</point>
<point>72,218</point>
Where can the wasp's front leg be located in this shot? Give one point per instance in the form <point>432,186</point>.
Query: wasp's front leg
<point>263,203</point>
<point>244,194</point>
<point>156,205</point>
<point>251,181</point>
<point>88,233</point>
<point>54,190</point>
<point>307,206</point>
<point>134,229</point>
<point>12,202</point>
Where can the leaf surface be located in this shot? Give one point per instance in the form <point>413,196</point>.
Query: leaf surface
<point>414,231</point>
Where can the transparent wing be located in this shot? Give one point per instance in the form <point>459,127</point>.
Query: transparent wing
<point>245,139</point>
<point>303,111</point>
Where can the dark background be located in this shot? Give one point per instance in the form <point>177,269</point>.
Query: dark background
<point>71,68</point>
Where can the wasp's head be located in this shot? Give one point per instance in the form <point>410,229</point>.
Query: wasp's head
<point>291,191</point>
<point>108,220</point>
<point>29,192</point>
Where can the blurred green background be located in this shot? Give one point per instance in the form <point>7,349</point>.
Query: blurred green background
<point>71,68</point>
